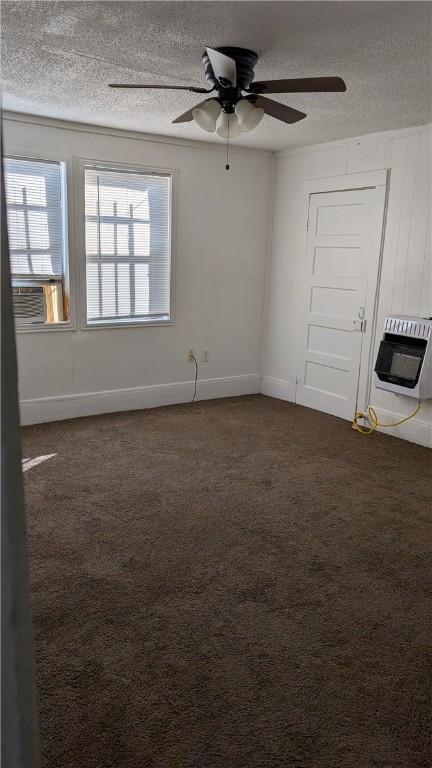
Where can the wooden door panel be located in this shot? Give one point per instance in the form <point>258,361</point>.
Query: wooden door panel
<point>337,261</point>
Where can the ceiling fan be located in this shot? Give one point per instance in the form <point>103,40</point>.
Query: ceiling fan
<point>230,72</point>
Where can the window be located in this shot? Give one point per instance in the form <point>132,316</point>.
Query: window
<point>127,246</point>
<point>35,203</point>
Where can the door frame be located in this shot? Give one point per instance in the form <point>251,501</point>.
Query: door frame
<point>379,180</point>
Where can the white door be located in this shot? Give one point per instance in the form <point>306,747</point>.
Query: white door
<point>342,258</point>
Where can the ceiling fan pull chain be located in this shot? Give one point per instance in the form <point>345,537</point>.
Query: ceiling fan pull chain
<point>227,147</point>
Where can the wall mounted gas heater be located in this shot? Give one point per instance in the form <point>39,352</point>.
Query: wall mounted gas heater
<point>404,360</point>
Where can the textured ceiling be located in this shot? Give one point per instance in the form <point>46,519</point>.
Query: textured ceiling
<point>57,58</point>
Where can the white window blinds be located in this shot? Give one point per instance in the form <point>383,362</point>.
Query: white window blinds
<point>35,217</point>
<point>127,244</point>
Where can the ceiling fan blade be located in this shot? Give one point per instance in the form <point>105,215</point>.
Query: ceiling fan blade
<point>190,88</point>
<point>186,117</point>
<point>277,110</point>
<point>224,68</point>
<point>299,85</point>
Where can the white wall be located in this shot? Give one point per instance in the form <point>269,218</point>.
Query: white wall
<point>221,252</point>
<point>221,240</point>
<point>406,266</point>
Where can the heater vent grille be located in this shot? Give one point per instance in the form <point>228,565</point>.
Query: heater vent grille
<point>406,326</point>
<point>405,366</point>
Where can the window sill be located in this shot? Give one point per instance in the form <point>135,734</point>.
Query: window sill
<point>68,326</point>
<point>137,324</point>
<point>46,328</point>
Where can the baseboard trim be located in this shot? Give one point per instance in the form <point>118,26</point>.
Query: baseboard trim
<point>60,407</point>
<point>279,388</point>
<point>57,408</point>
<point>414,430</point>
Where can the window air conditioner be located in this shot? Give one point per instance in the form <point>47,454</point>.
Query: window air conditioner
<point>37,302</point>
<point>404,361</point>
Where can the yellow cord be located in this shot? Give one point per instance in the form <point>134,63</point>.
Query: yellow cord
<point>373,418</point>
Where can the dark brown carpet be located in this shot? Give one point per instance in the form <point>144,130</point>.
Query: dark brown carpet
<point>239,583</point>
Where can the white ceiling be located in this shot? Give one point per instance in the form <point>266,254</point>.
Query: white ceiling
<point>57,58</point>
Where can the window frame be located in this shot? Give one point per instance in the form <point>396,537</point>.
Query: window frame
<point>81,163</point>
<point>69,282</point>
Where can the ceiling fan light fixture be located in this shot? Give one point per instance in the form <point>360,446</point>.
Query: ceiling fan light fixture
<point>227,125</point>
<point>207,114</point>
<point>248,115</point>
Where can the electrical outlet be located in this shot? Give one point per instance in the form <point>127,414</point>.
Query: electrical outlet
<point>191,356</point>
<point>205,355</point>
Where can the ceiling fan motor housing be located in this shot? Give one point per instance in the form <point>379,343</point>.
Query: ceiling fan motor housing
<point>245,62</point>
